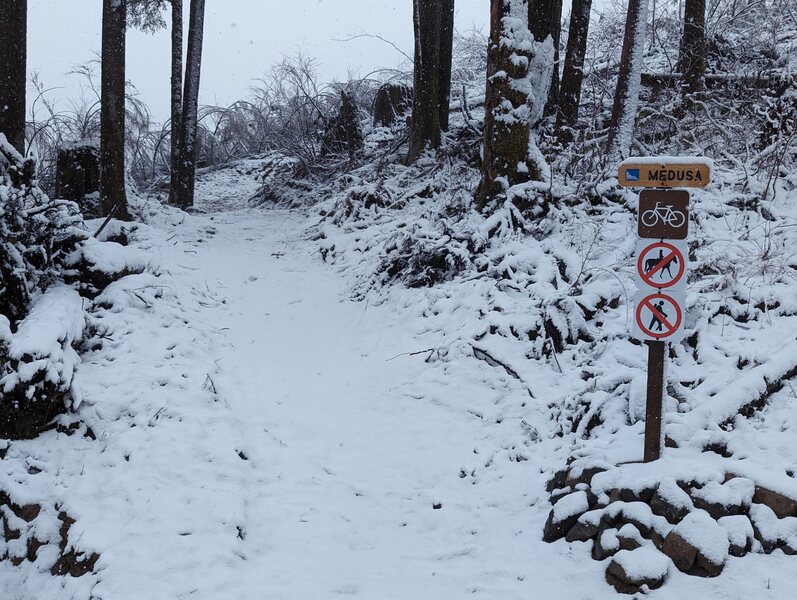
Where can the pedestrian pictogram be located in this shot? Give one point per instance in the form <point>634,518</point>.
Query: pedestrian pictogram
<point>663,214</point>
<point>661,264</point>
<point>660,316</point>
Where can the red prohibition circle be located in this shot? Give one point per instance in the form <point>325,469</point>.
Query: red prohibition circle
<point>670,328</point>
<point>647,277</point>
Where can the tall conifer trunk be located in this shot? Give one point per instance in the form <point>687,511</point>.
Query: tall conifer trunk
<point>692,54</point>
<point>13,40</point>
<point>626,94</point>
<point>573,73</point>
<point>545,18</point>
<point>113,197</point>
<point>183,184</point>
<point>446,57</point>
<point>176,89</point>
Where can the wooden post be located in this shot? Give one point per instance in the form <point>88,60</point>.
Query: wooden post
<point>653,411</point>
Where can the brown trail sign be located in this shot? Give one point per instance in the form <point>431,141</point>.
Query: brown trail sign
<point>663,214</point>
<point>673,172</point>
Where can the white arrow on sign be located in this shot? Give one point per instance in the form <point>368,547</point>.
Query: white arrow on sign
<point>661,264</point>
<point>659,316</point>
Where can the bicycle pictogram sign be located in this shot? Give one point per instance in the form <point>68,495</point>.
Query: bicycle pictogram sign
<point>660,316</point>
<point>663,214</point>
<point>662,264</point>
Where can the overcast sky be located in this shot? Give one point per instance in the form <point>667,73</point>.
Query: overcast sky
<point>242,39</point>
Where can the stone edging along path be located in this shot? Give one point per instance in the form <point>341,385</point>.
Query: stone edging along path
<point>646,525</point>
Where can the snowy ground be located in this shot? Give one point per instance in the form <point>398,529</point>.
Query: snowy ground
<point>260,436</point>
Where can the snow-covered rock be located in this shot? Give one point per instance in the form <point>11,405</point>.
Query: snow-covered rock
<point>632,570</point>
<point>698,545</point>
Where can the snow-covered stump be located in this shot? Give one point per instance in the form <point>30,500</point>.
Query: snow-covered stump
<point>392,102</point>
<point>77,175</point>
<point>692,516</point>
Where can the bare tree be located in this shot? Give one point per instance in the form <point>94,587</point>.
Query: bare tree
<point>573,74</point>
<point>113,196</point>
<point>184,179</point>
<point>692,53</point>
<point>434,34</point>
<point>13,39</point>
<point>626,94</point>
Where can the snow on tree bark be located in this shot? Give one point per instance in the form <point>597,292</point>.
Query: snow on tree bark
<point>186,173</point>
<point>573,74</point>
<point>176,88</point>
<point>434,30</point>
<point>113,196</point>
<point>13,39</point>
<point>626,94</point>
<point>545,18</point>
<point>692,52</point>
<point>518,75</point>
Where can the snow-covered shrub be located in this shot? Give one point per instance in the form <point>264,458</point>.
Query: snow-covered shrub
<point>36,234</point>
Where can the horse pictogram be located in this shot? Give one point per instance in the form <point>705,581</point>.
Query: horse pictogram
<point>661,264</point>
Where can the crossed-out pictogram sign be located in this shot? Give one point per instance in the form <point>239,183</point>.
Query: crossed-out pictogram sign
<point>659,316</point>
<point>661,264</point>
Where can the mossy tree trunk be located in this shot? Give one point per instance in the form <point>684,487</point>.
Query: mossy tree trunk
<point>508,98</point>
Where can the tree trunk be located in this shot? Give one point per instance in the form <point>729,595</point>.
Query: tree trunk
<point>545,18</point>
<point>113,197</point>
<point>426,128</point>
<point>509,152</point>
<point>176,90</point>
<point>573,74</point>
<point>626,94</point>
<point>692,54</point>
<point>446,57</point>
<point>186,172</point>
<point>13,40</point>
<point>433,22</point>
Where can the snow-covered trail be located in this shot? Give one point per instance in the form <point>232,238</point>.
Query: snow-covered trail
<point>348,458</point>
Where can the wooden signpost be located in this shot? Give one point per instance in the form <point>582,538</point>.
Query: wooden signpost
<point>661,266</point>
